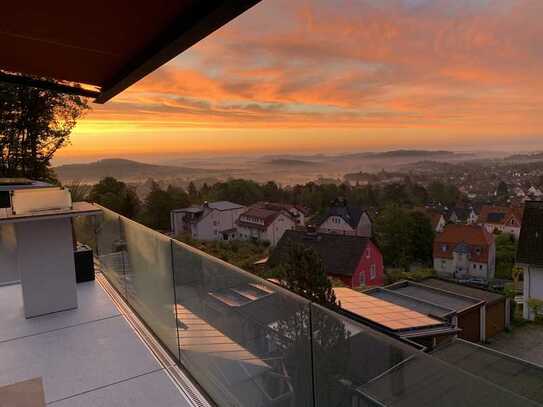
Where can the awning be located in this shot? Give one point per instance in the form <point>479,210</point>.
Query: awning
<point>106,46</point>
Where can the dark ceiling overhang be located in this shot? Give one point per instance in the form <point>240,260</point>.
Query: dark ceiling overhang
<point>108,45</point>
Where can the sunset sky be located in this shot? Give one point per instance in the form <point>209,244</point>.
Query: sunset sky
<point>338,75</point>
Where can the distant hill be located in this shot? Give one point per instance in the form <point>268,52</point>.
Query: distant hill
<point>126,170</point>
<point>524,157</point>
<point>286,162</point>
<point>400,154</point>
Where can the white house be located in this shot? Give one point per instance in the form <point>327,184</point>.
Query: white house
<point>462,215</point>
<point>297,212</point>
<point>530,254</point>
<point>465,251</point>
<point>502,219</point>
<point>345,220</point>
<point>264,224</point>
<point>210,221</point>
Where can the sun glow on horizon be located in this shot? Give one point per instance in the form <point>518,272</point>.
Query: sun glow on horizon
<point>366,75</point>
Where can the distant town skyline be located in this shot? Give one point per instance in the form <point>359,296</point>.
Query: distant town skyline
<point>338,75</point>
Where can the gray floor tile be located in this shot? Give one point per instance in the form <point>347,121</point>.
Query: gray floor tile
<point>151,390</point>
<point>94,304</point>
<point>77,359</point>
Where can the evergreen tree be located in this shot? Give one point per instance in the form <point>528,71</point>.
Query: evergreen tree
<point>34,124</point>
<point>117,196</point>
<point>303,273</point>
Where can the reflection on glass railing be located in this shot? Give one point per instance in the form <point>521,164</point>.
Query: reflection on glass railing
<point>250,343</point>
<point>230,333</point>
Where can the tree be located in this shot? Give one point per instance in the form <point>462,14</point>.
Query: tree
<point>115,195</point>
<point>446,194</point>
<point>159,203</point>
<point>404,236</point>
<point>303,273</point>
<point>193,192</point>
<point>506,248</point>
<point>34,124</point>
<point>502,190</point>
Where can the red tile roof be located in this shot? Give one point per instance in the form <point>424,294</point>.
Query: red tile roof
<point>488,213</point>
<point>475,237</point>
<point>267,216</point>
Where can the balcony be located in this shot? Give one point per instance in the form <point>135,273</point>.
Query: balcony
<point>241,340</point>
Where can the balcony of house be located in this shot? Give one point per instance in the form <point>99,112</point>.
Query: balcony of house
<point>167,325</point>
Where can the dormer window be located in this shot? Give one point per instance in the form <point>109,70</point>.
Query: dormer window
<point>444,248</point>
<point>477,251</point>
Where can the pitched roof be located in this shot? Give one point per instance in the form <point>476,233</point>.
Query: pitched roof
<point>350,214</point>
<point>530,244</point>
<point>498,215</point>
<point>432,214</point>
<point>267,216</point>
<point>225,205</point>
<point>453,237</point>
<point>461,213</point>
<point>340,254</point>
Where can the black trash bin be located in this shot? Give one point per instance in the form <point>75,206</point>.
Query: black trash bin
<point>84,264</point>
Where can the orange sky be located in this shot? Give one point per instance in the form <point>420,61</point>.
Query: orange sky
<point>322,75</point>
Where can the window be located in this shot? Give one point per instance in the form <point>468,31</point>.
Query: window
<point>444,248</point>
<point>368,253</point>
<point>478,251</point>
<point>373,272</point>
<point>475,266</point>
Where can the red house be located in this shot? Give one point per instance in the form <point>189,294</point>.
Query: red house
<point>355,260</point>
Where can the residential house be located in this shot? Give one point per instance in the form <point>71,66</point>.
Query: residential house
<point>340,218</point>
<point>530,254</point>
<point>436,218</point>
<point>502,219</point>
<point>298,212</point>
<point>461,215</point>
<point>355,260</point>
<point>465,251</point>
<point>166,325</point>
<point>269,225</point>
<point>535,193</point>
<point>210,221</point>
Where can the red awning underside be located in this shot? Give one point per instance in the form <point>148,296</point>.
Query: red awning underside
<point>109,44</point>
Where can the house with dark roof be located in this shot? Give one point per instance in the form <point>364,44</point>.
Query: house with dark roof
<point>355,260</point>
<point>264,224</point>
<point>342,219</point>
<point>210,221</point>
<point>502,219</point>
<point>530,254</point>
<point>461,215</point>
<point>465,251</point>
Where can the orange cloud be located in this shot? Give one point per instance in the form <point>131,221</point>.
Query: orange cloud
<point>406,67</point>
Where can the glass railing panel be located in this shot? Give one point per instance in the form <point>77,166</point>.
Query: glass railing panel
<point>110,248</point>
<point>245,340</point>
<point>8,254</point>
<point>149,280</point>
<point>347,355</point>
<point>85,230</point>
<point>357,366</point>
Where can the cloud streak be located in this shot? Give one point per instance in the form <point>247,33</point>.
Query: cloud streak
<point>450,66</point>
